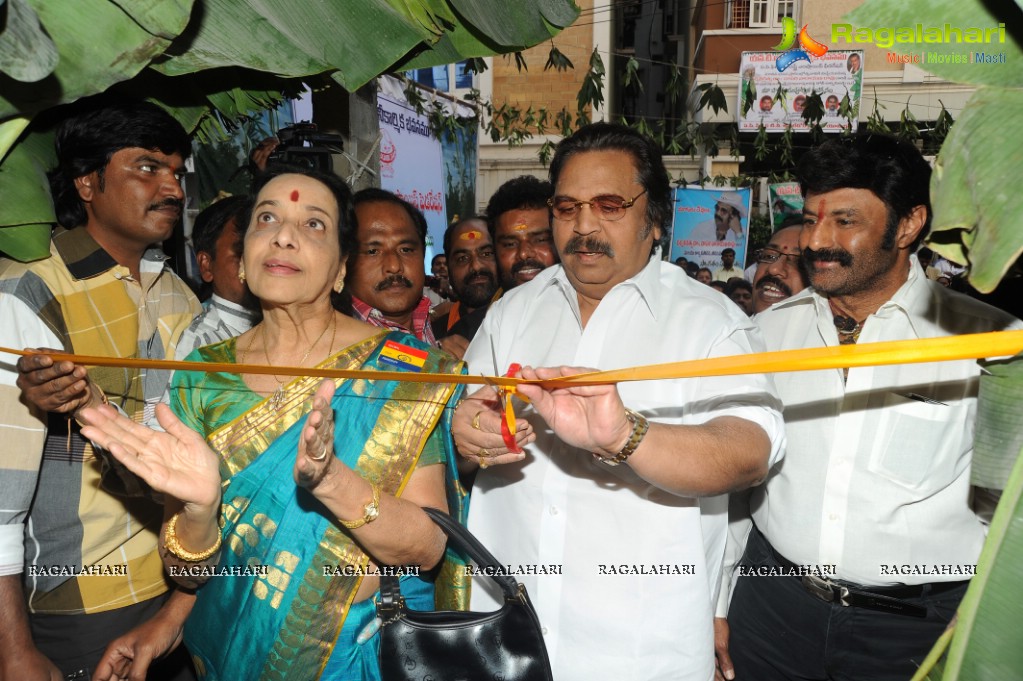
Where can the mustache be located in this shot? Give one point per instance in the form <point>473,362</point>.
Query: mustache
<point>527,264</point>
<point>391,281</point>
<point>481,273</point>
<point>170,201</point>
<point>588,245</point>
<point>843,258</point>
<point>778,283</point>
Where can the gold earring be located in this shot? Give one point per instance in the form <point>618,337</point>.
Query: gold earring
<point>241,273</point>
<point>339,285</point>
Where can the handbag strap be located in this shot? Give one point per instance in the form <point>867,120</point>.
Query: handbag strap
<point>390,591</point>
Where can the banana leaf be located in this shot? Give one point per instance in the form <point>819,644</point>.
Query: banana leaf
<point>986,642</point>
<point>213,62</point>
<point>99,43</point>
<point>25,195</point>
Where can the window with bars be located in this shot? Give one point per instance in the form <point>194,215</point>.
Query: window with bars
<point>758,13</point>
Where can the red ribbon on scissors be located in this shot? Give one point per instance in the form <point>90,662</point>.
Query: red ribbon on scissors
<point>508,428</point>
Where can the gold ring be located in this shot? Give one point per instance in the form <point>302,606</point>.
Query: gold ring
<point>483,462</point>
<point>476,420</point>
<point>323,454</point>
<point>483,453</point>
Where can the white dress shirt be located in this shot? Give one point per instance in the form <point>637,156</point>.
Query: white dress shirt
<point>220,319</point>
<point>876,477</point>
<point>559,507</point>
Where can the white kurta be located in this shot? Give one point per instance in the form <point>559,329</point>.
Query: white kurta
<point>593,523</point>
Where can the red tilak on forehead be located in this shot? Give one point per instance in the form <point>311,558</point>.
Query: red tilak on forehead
<point>294,195</point>
<point>820,211</point>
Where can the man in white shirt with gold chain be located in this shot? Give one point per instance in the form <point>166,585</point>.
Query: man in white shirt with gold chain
<point>619,502</point>
<point>873,498</point>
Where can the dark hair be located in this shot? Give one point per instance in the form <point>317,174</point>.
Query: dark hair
<point>736,283</point>
<point>374,195</point>
<point>95,131</point>
<point>437,257</point>
<point>646,154</point>
<point>449,233</point>
<point>790,221</point>
<point>894,171</point>
<point>705,269</point>
<point>728,250</point>
<point>524,192</point>
<point>338,188</point>
<point>210,223</point>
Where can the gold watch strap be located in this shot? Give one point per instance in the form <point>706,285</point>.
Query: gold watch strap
<point>640,426</point>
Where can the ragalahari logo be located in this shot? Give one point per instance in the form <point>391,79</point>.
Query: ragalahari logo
<point>791,56</point>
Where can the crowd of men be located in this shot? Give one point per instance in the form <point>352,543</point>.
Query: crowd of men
<point>739,526</point>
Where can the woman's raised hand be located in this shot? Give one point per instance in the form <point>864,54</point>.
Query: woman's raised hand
<point>316,444</point>
<point>177,462</point>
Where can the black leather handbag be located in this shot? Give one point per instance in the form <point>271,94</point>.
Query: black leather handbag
<point>451,645</point>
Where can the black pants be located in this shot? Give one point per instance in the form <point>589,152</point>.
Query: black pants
<point>781,632</point>
<point>75,643</point>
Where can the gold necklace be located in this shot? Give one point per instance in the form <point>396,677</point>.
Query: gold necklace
<point>279,395</point>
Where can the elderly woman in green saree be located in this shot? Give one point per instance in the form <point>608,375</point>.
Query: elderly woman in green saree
<point>293,493</point>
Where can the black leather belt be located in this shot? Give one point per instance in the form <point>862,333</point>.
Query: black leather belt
<point>882,598</point>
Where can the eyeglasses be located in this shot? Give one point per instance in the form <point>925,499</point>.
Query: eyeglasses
<point>608,207</point>
<point>769,256</point>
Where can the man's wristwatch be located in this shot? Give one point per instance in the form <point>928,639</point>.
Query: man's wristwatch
<point>369,513</point>
<point>639,428</point>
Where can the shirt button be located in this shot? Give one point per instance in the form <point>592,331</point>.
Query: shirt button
<point>543,630</point>
<point>833,516</point>
<point>554,510</point>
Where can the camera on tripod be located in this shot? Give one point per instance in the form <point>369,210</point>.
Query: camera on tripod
<point>302,145</point>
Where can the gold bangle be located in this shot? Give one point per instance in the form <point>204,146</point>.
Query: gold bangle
<point>640,426</point>
<point>370,512</point>
<point>170,542</point>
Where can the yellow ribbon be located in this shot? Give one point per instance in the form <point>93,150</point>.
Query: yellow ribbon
<point>947,348</point>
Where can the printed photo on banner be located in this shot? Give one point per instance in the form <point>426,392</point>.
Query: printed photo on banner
<point>707,221</point>
<point>786,202</point>
<point>777,99</point>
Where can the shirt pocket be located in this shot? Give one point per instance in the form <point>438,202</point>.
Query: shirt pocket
<point>918,443</point>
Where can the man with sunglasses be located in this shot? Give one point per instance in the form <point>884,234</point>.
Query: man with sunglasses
<point>779,273</point>
<point>615,487</point>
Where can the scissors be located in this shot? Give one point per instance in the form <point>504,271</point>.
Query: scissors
<point>508,428</point>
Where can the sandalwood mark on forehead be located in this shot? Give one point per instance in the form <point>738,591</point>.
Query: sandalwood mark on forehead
<point>521,227</point>
<point>294,195</point>
<point>471,235</point>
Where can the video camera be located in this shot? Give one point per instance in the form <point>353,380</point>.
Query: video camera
<point>302,145</point>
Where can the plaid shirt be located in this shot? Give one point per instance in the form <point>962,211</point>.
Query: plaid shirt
<point>59,513</point>
<point>420,319</point>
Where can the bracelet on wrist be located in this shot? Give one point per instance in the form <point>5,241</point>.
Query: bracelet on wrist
<point>370,512</point>
<point>640,426</point>
<point>171,543</point>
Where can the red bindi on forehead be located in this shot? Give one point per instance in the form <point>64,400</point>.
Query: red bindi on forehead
<point>820,211</point>
<point>294,195</point>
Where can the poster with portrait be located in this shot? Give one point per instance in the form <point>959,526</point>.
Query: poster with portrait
<point>412,162</point>
<point>786,202</point>
<point>708,220</point>
<point>777,99</point>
